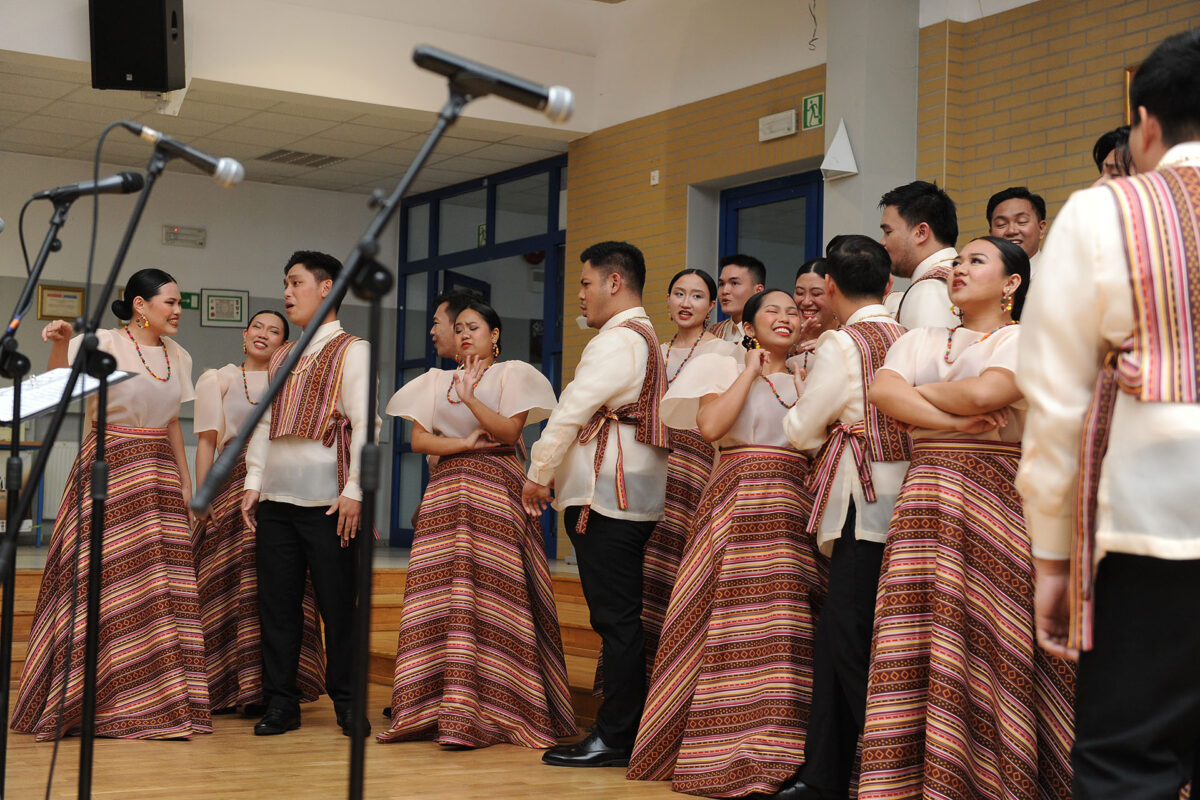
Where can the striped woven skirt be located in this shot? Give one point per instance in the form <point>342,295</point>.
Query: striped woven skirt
<point>728,706</point>
<point>962,703</point>
<point>228,584</point>
<point>689,466</point>
<point>479,659</point>
<point>150,678</point>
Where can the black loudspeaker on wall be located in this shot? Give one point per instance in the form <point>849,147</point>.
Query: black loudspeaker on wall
<point>137,44</point>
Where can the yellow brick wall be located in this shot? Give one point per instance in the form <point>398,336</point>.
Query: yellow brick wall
<point>1019,98</point>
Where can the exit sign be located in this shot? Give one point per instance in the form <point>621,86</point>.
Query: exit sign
<point>190,300</point>
<point>812,111</point>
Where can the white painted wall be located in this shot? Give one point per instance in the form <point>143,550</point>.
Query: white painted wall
<point>252,227</point>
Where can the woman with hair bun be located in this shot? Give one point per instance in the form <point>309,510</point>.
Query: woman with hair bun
<point>728,704</point>
<point>150,677</point>
<point>479,656</point>
<point>225,556</point>
<point>961,701</point>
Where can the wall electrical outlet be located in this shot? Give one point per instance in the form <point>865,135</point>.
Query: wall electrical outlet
<point>654,177</point>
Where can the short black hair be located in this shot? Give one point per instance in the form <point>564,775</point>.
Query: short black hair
<point>287,330</point>
<point>1016,262</point>
<point>1168,84</point>
<point>622,257</point>
<point>708,281</point>
<point>1017,193</point>
<point>860,267</point>
<point>922,201</point>
<point>1116,139</point>
<point>455,299</point>
<point>813,265</point>
<point>758,270</point>
<point>323,267</point>
<point>834,242</point>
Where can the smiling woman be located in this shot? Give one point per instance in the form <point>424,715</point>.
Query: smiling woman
<point>722,719</point>
<point>151,668</point>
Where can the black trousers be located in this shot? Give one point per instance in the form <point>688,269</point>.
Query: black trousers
<point>1137,701</point>
<point>841,659</point>
<point>295,541</point>
<point>610,571</point>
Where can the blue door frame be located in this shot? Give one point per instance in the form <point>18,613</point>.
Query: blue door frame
<point>550,242</point>
<point>806,184</point>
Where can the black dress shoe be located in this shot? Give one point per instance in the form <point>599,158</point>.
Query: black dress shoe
<point>797,789</point>
<point>345,721</point>
<point>277,721</point>
<point>590,752</point>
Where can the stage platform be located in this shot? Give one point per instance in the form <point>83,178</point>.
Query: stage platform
<point>312,762</point>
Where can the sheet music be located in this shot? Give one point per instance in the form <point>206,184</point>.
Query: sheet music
<point>40,393</point>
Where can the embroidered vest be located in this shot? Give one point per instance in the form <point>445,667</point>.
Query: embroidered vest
<point>940,272</point>
<point>1159,215</point>
<point>876,437</point>
<point>307,405</point>
<point>643,413</point>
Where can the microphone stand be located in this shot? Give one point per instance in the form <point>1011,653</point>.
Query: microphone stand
<point>370,281</point>
<point>15,366</point>
<point>99,364</point>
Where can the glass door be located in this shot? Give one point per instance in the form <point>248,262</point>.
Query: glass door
<point>501,238</point>
<point>776,221</point>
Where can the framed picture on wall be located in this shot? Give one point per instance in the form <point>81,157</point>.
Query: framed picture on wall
<point>223,308</point>
<point>60,302</point>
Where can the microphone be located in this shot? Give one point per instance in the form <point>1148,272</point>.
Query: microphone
<point>225,171</point>
<point>556,102</point>
<point>121,183</point>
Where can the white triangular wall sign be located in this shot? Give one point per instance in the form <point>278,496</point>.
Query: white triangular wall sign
<point>839,158</point>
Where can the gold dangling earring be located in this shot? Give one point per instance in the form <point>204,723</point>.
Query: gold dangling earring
<point>1006,304</point>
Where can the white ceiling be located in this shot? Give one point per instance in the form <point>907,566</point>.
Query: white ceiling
<point>47,107</point>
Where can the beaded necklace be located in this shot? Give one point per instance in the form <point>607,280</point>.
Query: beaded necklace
<point>137,347</point>
<point>686,359</point>
<point>245,386</point>
<point>950,340</point>
<point>474,386</point>
<point>777,397</point>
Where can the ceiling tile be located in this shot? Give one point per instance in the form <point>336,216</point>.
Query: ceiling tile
<point>32,148</point>
<point>66,109</point>
<point>321,108</point>
<point>11,117</point>
<point>38,87</point>
<point>301,126</point>
<point>315,180</point>
<point>179,127</point>
<point>331,147</point>
<point>256,136</point>
<point>119,100</point>
<point>368,135</point>
<point>416,123</point>
<point>513,154</point>
<point>242,151</point>
<point>20,102</point>
<point>23,135</point>
<point>222,94</point>
<point>70,127</point>
<point>123,153</point>
<point>209,112</point>
<point>392,155</point>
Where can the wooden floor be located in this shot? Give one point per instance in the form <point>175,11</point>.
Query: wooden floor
<point>312,762</point>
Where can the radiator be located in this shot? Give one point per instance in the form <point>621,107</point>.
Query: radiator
<point>58,467</point>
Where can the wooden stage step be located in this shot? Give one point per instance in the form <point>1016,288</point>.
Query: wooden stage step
<point>581,645</point>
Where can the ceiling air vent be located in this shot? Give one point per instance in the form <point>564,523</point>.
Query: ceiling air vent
<point>298,159</point>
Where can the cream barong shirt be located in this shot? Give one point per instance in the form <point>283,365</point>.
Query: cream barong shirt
<point>833,393</point>
<point>1146,498</point>
<point>928,302</point>
<point>303,472</point>
<point>610,373</point>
